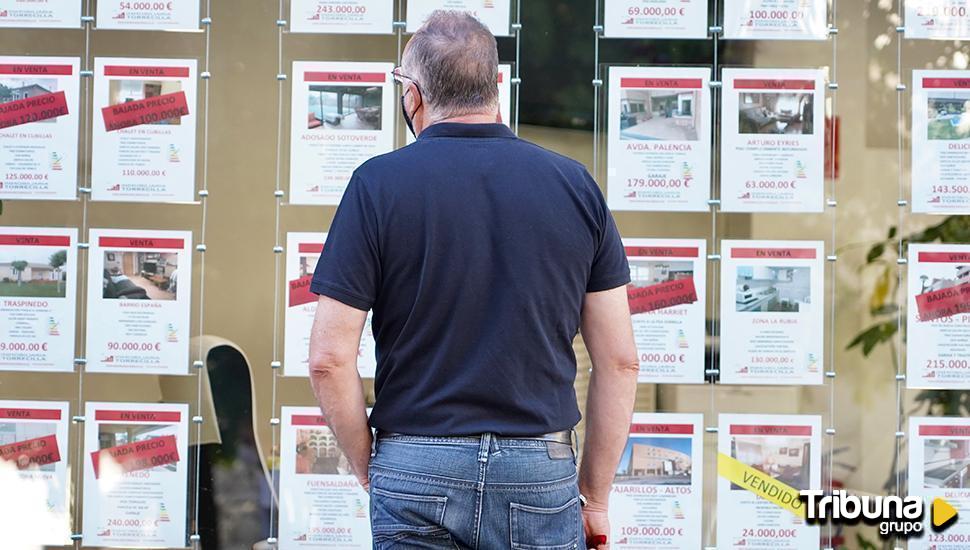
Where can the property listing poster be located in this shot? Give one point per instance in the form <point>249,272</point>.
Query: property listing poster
<point>504,99</point>
<point>302,252</point>
<point>938,19</point>
<point>776,19</point>
<point>38,294</point>
<point>939,454</point>
<point>342,114</point>
<point>667,303</point>
<point>38,127</point>
<point>941,142</point>
<point>41,14</point>
<point>494,14</point>
<point>938,316</point>
<point>772,312</point>
<point>33,440</point>
<point>143,132</point>
<point>343,17</point>
<point>321,503</point>
<point>772,140</point>
<point>138,309</point>
<point>787,447</point>
<point>656,497</point>
<point>659,152</point>
<point>655,19</point>
<point>167,15</point>
<point>135,474</point>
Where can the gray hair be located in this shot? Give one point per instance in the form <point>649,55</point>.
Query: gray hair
<point>454,59</point>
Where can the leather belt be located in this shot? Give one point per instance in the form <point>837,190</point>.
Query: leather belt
<point>564,436</point>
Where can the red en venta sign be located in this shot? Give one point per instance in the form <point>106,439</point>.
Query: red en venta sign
<point>946,83</point>
<point>661,251</point>
<point>27,69</point>
<point>138,416</point>
<point>31,414</point>
<point>35,240</point>
<point>676,429</point>
<point>664,83</point>
<point>956,431</point>
<point>774,253</point>
<point>136,70</point>
<point>773,84</point>
<point>140,242</point>
<point>769,429</point>
<point>341,76</point>
<point>308,420</point>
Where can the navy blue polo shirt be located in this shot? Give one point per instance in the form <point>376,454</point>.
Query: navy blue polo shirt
<point>474,249</point>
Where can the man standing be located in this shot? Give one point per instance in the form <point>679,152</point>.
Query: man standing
<point>482,256</point>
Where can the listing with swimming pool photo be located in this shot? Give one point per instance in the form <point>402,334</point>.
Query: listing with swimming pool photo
<point>322,505</point>
<point>38,295</point>
<point>143,130</point>
<point>34,443</point>
<point>938,316</point>
<point>939,467</point>
<point>941,142</point>
<point>667,303</point>
<point>772,312</point>
<point>39,127</point>
<point>341,115</point>
<point>659,143</point>
<point>139,291</point>
<point>136,462</point>
<point>656,501</point>
<point>761,456</point>
<point>302,253</point>
<point>773,142</point>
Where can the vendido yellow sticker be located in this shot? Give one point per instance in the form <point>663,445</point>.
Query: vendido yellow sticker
<point>760,483</point>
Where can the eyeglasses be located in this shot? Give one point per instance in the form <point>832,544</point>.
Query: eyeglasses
<point>400,77</point>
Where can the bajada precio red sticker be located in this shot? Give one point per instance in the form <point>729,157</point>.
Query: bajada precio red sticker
<point>39,451</point>
<point>662,295</point>
<point>151,110</point>
<point>33,109</point>
<point>140,455</point>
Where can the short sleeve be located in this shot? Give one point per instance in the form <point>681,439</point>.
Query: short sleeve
<point>610,268</point>
<point>349,266</point>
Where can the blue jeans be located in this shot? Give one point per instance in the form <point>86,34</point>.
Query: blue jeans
<point>482,492</point>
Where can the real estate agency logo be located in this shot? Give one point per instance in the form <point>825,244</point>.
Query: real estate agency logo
<point>894,516</point>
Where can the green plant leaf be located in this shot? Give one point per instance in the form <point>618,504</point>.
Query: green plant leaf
<point>875,252</point>
<point>873,336</point>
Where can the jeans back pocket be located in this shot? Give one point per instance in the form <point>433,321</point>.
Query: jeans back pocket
<point>538,528</point>
<point>395,516</point>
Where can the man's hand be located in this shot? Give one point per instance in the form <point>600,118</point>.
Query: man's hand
<point>608,334</point>
<point>596,522</point>
<point>334,344</point>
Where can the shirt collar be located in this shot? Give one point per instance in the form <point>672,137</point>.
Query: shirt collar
<point>458,129</point>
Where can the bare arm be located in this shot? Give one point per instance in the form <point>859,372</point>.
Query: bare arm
<point>334,345</point>
<point>608,334</point>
